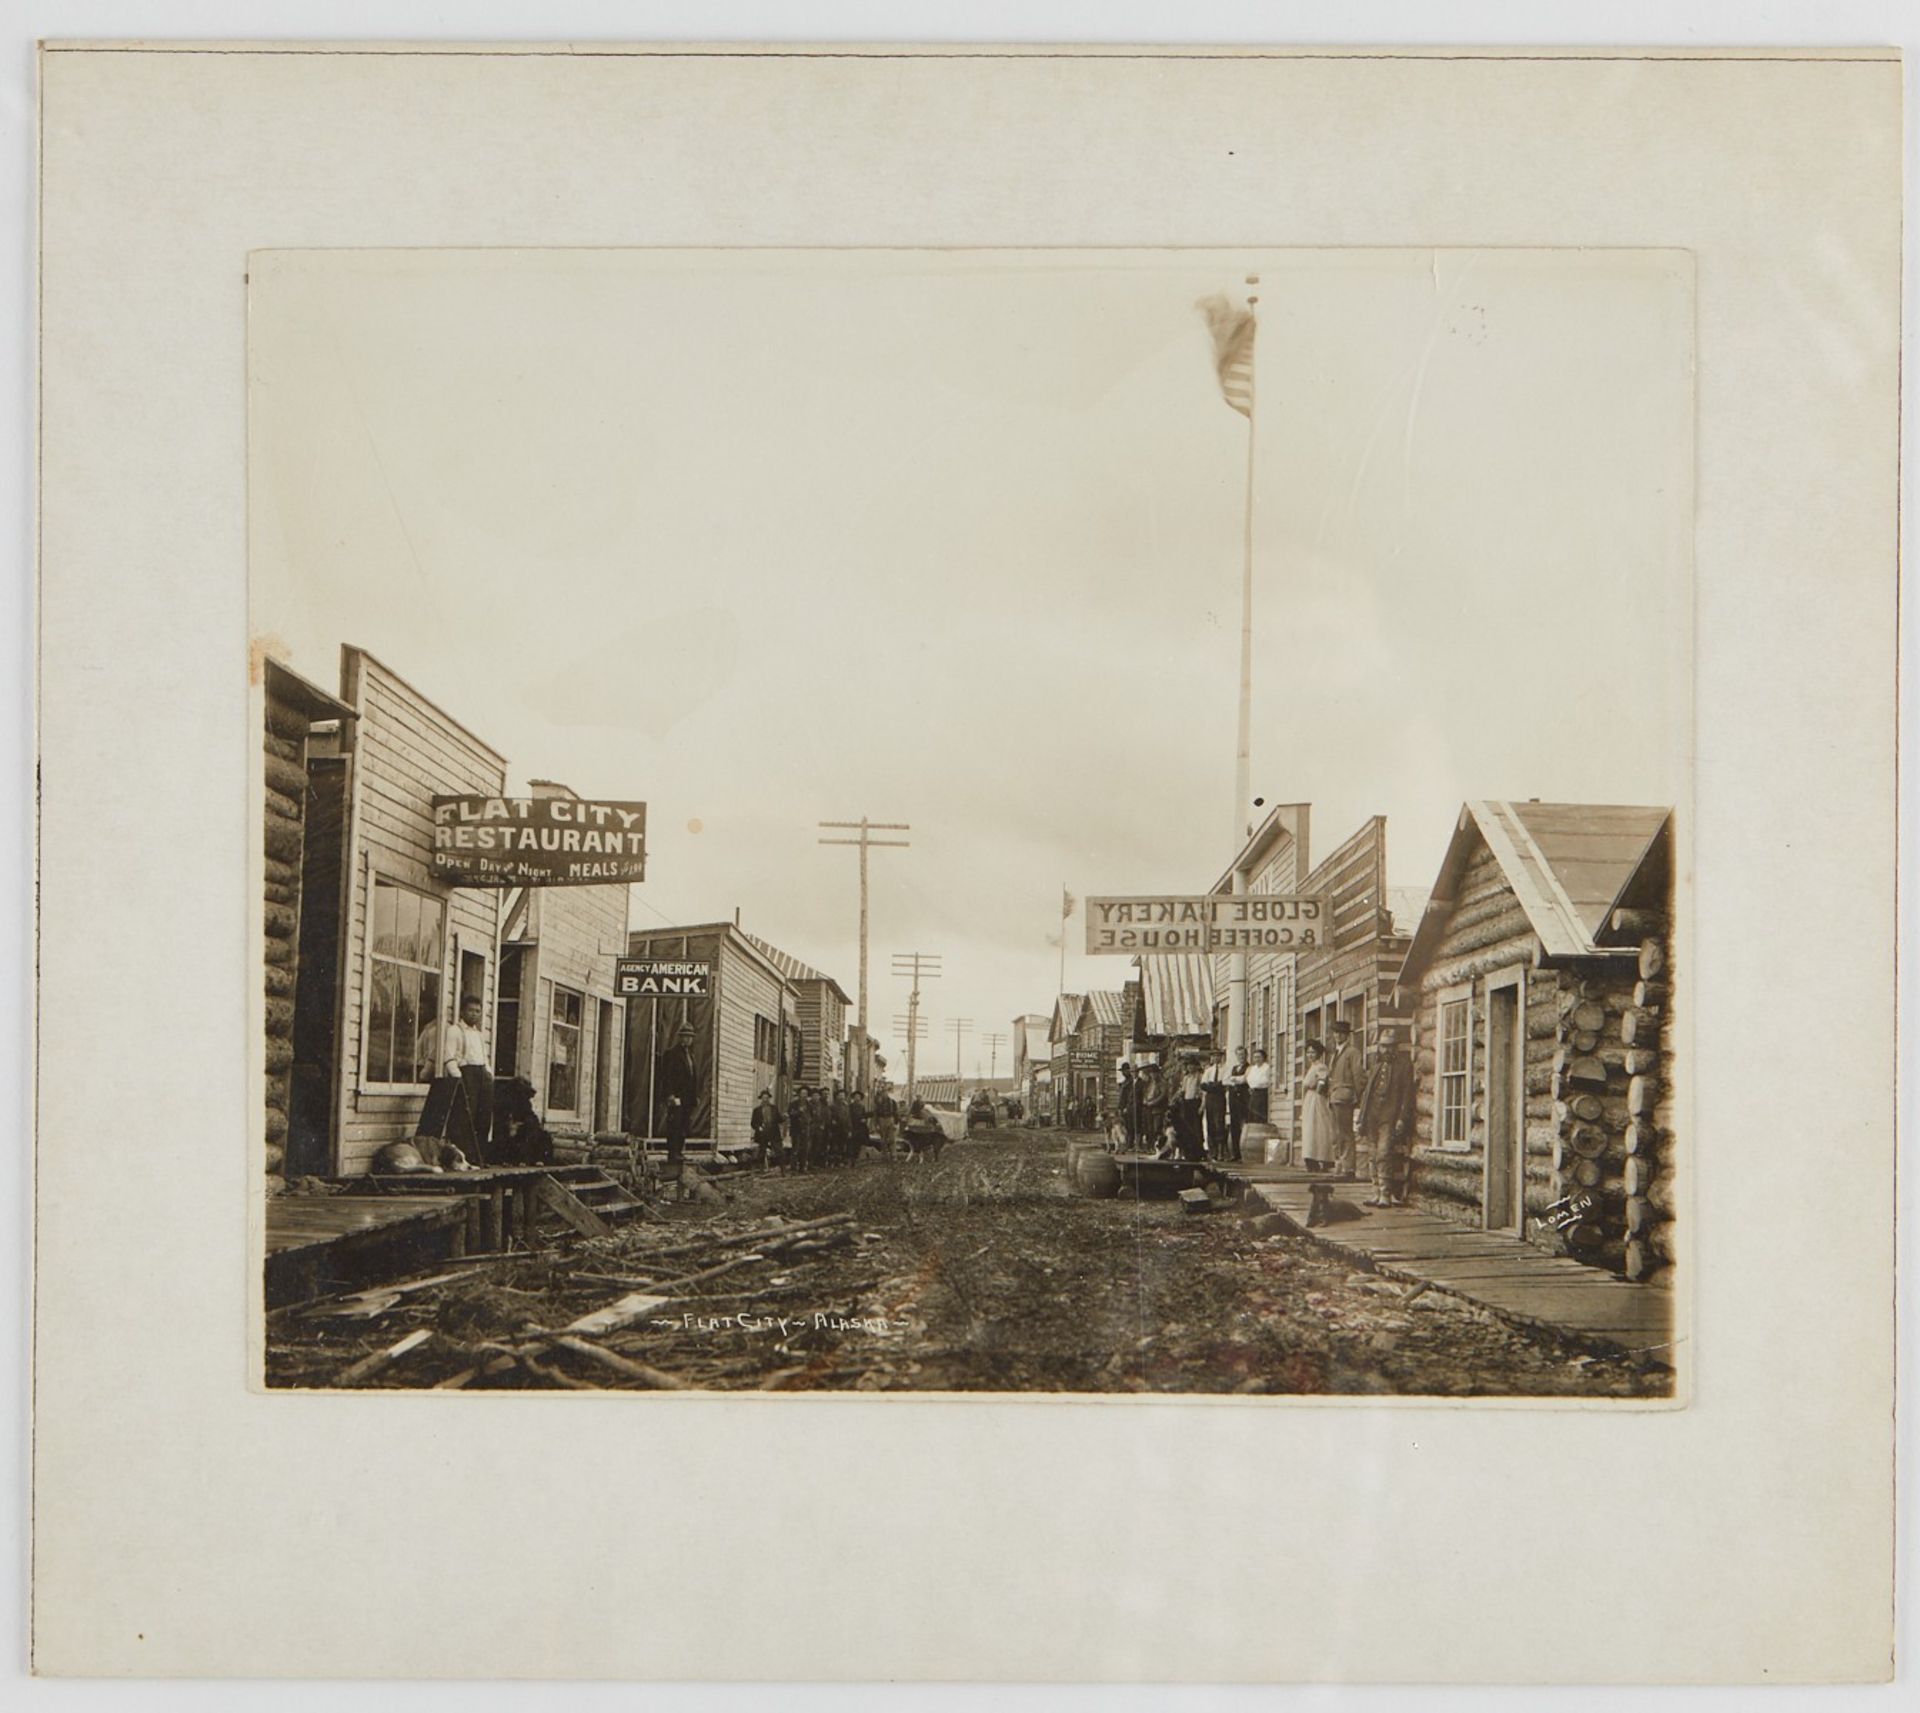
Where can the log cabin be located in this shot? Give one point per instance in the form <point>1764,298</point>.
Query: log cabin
<point>304,807</point>
<point>1540,978</point>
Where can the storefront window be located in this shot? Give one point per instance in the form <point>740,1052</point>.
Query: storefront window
<point>403,998</point>
<point>563,1053</point>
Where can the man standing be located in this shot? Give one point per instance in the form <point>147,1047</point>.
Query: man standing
<point>1125,1114</point>
<point>1186,1108</point>
<point>675,1085</point>
<point>1236,1103</point>
<point>886,1117</point>
<point>1386,1118</point>
<point>1213,1094</point>
<point>799,1132</point>
<point>766,1128</point>
<point>1344,1079</point>
<point>463,1056</point>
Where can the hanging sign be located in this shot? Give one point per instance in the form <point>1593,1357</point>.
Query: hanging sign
<point>1208,922</point>
<point>662,978</point>
<point>538,841</point>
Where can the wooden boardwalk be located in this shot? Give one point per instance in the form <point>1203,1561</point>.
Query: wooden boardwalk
<point>316,1242</point>
<point>1500,1272</point>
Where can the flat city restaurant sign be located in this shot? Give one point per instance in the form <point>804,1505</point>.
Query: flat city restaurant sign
<point>538,841</point>
<point>1211,922</point>
<point>662,978</point>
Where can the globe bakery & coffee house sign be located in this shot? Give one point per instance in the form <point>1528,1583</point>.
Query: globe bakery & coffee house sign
<point>1209,922</point>
<point>538,841</point>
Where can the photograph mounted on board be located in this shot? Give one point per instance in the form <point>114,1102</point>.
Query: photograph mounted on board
<point>709,698</point>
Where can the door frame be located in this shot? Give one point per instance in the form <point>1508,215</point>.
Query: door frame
<point>1499,982</point>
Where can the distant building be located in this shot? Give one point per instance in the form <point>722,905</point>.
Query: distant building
<point>1032,1059</point>
<point>1088,1035</point>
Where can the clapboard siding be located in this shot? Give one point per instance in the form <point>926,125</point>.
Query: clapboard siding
<point>406,751</point>
<point>1363,954</point>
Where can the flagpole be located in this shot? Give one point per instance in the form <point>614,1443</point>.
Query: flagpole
<point>1236,1041</point>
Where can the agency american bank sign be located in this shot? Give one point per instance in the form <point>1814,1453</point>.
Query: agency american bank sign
<point>538,841</point>
<point>1210,922</point>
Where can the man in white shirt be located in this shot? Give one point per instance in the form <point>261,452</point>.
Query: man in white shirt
<point>463,1056</point>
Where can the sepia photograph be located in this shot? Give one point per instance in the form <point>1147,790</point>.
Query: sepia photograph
<point>1054,822</point>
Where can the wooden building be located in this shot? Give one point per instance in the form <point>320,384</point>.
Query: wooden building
<point>405,947</point>
<point>1089,1035</point>
<point>1540,978</point>
<point>302,809</point>
<point>821,1014</point>
<point>1274,859</point>
<point>1032,1061</point>
<point>1351,979</point>
<point>557,1020</point>
<point>746,1033</point>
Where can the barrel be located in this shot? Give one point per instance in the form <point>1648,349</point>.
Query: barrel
<point>1095,1174</point>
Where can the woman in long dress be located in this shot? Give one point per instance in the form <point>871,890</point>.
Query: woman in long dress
<point>1320,1147</point>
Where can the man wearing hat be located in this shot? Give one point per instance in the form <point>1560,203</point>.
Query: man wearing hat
<point>1386,1116</point>
<point>676,1084</point>
<point>1345,1077</point>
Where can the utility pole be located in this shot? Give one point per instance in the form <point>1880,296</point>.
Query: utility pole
<point>994,1044</point>
<point>865,843</point>
<point>959,1026</point>
<point>916,967</point>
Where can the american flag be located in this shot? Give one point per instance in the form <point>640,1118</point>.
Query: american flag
<point>1232,331</point>
<point>1066,904</point>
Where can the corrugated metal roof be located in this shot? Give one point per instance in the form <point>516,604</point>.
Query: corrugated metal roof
<point>1177,993</point>
<point>1567,864</point>
<point>1066,1016</point>
<point>1109,1008</point>
<point>790,966</point>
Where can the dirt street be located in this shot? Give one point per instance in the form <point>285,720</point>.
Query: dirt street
<point>980,1271</point>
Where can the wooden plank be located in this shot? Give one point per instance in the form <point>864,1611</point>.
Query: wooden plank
<point>571,1208</point>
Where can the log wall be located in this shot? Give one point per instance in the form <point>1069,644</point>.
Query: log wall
<point>1488,934</point>
<point>284,840</point>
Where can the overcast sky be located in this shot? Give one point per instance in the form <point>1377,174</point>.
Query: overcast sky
<point>957,540</point>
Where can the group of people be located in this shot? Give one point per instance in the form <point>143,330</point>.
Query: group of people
<point>825,1127</point>
<point>1342,1102</point>
<point>1200,1111</point>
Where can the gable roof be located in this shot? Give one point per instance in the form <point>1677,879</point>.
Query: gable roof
<point>791,967</point>
<point>1066,1016</point>
<point>1567,863</point>
<point>1176,990</point>
<point>1109,1008</point>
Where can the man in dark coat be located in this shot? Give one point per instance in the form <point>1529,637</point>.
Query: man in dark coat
<point>1213,1093</point>
<point>676,1085</point>
<point>799,1132</point>
<point>766,1127</point>
<point>1345,1079</point>
<point>1236,1103</point>
<point>1386,1118</point>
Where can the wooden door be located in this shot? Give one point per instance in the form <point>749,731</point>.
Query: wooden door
<point>1506,1110</point>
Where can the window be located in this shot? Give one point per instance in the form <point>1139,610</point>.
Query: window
<point>766,1041</point>
<point>1455,1055</point>
<point>1280,1055</point>
<point>403,980</point>
<point>563,1052</point>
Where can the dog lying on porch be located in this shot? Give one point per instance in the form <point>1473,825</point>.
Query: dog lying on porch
<point>422,1154</point>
